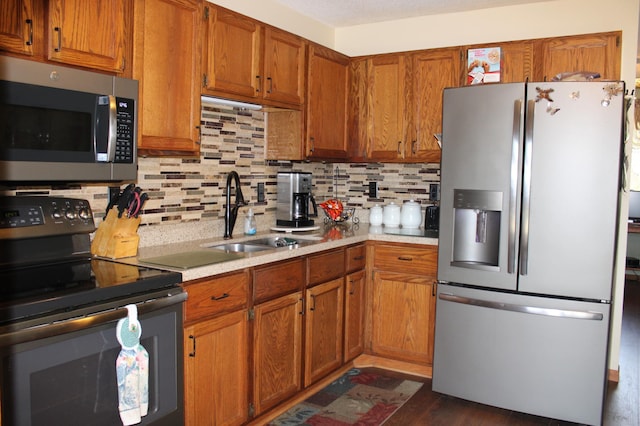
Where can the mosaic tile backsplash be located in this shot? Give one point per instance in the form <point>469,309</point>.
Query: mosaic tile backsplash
<point>183,190</point>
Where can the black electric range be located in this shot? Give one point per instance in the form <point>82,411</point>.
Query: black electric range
<point>46,265</point>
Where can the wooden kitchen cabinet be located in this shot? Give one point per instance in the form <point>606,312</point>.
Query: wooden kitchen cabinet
<point>231,55</point>
<point>599,53</point>
<point>284,67</point>
<point>397,104</point>
<point>432,72</point>
<point>169,106</point>
<point>354,301</point>
<point>327,92</point>
<point>277,351</point>
<point>89,35</point>
<point>277,332</point>
<point>73,32</point>
<point>402,310</point>
<point>216,350</point>
<point>21,26</point>
<point>216,371</point>
<point>517,62</point>
<point>388,114</point>
<point>246,60</point>
<point>323,329</point>
<point>324,308</point>
<point>354,308</point>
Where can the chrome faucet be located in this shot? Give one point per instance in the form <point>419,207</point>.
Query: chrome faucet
<point>231,213</point>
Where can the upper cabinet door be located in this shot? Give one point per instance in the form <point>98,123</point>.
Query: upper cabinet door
<point>17,21</point>
<point>231,58</point>
<point>387,108</point>
<point>432,72</point>
<point>328,76</point>
<point>88,35</point>
<point>246,60</point>
<point>167,64</point>
<point>516,61</point>
<point>284,67</point>
<point>599,53</point>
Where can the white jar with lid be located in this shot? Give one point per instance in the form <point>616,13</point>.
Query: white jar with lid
<point>375,215</point>
<point>411,215</point>
<point>391,215</point>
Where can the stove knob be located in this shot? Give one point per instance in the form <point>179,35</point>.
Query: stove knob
<point>70,214</point>
<point>84,213</point>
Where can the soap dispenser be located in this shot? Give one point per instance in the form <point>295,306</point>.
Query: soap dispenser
<point>250,223</point>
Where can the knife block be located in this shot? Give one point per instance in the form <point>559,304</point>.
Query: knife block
<point>116,237</point>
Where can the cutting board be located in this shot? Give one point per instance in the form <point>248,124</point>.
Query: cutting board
<point>191,259</point>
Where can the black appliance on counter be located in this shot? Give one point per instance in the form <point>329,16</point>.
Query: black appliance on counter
<point>58,313</point>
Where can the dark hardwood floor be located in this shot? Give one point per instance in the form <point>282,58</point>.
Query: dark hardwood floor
<point>622,407</point>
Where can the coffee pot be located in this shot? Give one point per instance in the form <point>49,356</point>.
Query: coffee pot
<point>295,205</point>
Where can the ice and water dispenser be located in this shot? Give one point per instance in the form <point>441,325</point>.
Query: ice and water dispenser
<point>476,228</point>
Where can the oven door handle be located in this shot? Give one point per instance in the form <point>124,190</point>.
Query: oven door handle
<point>11,336</point>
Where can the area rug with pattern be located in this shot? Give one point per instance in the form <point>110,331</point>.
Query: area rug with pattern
<point>356,398</point>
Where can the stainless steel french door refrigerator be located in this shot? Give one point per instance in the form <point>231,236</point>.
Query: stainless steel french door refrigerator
<point>530,178</point>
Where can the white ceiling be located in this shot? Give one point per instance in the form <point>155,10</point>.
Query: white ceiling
<point>344,13</point>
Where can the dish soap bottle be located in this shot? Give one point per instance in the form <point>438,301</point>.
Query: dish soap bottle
<point>250,223</point>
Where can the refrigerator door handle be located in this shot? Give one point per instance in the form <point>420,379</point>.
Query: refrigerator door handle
<point>526,188</point>
<point>513,186</point>
<point>534,310</point>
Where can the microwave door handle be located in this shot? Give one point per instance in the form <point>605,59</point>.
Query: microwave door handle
<point>106,129</point>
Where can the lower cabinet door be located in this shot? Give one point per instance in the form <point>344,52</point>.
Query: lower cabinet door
<point>216,371</point>
<point>277,337</point>
<point>354,315</point>
<point>323,331</point>
<point>402,317</point>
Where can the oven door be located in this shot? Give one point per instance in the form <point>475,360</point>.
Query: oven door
<point>69,376</point>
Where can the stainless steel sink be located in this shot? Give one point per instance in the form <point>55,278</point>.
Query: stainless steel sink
<point>278,241</point>
<point>261,244</point>
<point>240,247</point>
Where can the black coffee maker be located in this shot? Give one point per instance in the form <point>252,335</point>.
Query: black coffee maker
<point>294,200</point>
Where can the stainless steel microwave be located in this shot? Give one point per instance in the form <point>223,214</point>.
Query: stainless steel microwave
<point>64,124</point>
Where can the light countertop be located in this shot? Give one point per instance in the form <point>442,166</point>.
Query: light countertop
<point>323,239</point>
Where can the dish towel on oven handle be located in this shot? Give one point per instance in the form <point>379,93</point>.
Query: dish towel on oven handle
<point>132,368</point>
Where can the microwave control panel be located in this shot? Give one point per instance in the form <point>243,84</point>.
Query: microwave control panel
<point>125,112</point>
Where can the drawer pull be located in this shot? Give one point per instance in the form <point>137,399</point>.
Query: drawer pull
<point>405,258</point>
<point>358,258</point>
<point>224,296</point>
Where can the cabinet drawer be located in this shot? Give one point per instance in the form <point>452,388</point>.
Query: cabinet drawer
<point>278,279</point>
<point>325,266</point>
<point>406,258</point>
<point>355,258</point>
<point>210,297</point>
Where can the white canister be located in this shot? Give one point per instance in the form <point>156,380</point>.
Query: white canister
<point>411,215</point>
<point>375,215</point>
<point>391,215</point>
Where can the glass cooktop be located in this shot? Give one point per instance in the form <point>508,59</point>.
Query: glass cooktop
<point>37,290</point>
